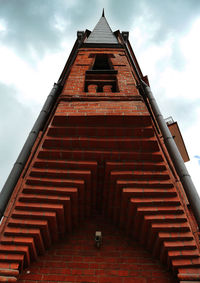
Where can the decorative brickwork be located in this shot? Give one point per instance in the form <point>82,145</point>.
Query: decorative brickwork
<point>99,164</point>
<point>76,259</point>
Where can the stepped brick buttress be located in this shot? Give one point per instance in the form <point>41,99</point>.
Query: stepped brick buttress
<point>99,164</point>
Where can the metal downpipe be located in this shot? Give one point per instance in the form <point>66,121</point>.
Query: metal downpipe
<point>175,155</point>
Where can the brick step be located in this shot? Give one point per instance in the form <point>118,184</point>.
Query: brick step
<point>8,279</point>
<point>134,166</point>
<point>102,121</point>
<point>149,192</point>
<point>139,175</point>
<point>22,241</point>
<point>185,250</point>
<point>189,275</point>
<point>7,265</point>
<point>60,185</point>
<point>40,215</point>
<point>168,218</point>
<point>128,204</point>
<point>39,224</point>
<point>154,184</point>
<point>100,132</point>
<point>113,191</point>
<point>135,218</point>
<point>147,201</point>
<point>22,232</point>
<point>37,182</point>
<point>158,237</point>
<point>167,227</point>
<point>168,201</point>
<point>114,203</point>
<point>156,228</point>
<point>74,143</point>
<point>66,165</point>
<point>78,193</point>
<point>172,227</point>
<point>61,174</point>
<point>12,249</point>
<point>9,272</point>
<point>169,237</point>
<point>150,220</point>
<point>179,245</point>
<point>59,191</point>
<point>185,263</point>
<point>13,258</point>
<point>8,275</point>
<point>54,154</point>
<point>70,204</point>
<point>44,207</point>
<point>167,250</point>
<point>143,210</point>
<point>181,229</point>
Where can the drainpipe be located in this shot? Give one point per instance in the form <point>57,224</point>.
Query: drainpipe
<point>26,150</point>
<point>175,155</point>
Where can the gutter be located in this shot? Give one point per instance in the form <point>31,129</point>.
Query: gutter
<point>174,153</point>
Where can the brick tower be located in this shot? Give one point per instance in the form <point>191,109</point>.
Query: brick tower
<point>99,192</point>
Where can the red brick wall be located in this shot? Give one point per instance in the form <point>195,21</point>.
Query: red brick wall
<point>76,259</point>
<point>101,154</point>
<point>124,108</point>
<point>75,81</point>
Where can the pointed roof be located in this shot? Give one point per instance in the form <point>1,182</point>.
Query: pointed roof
<point>102,33</point>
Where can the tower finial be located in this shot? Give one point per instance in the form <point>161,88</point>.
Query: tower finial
<point>103,13</point>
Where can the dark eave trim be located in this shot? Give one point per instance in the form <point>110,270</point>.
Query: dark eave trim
<point>101,45</point>
<point>101,72</point>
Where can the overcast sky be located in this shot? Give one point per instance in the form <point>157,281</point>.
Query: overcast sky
<point>36,37</point>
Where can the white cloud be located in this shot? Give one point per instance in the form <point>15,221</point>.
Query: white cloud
<point>33,82</point>
<point>2,26</point>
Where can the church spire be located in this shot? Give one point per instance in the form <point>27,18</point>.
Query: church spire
<point>102,33</point>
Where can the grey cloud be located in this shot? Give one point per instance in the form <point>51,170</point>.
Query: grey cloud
<point>177,57</point>
<point>177,107</point>
<point>122,13</point>
<point>32,25</point>
<point>172,16</point>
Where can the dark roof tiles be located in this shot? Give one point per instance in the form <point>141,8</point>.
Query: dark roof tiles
<point>102,33</point>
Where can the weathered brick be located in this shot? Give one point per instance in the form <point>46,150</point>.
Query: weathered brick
<point>99,152</point>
